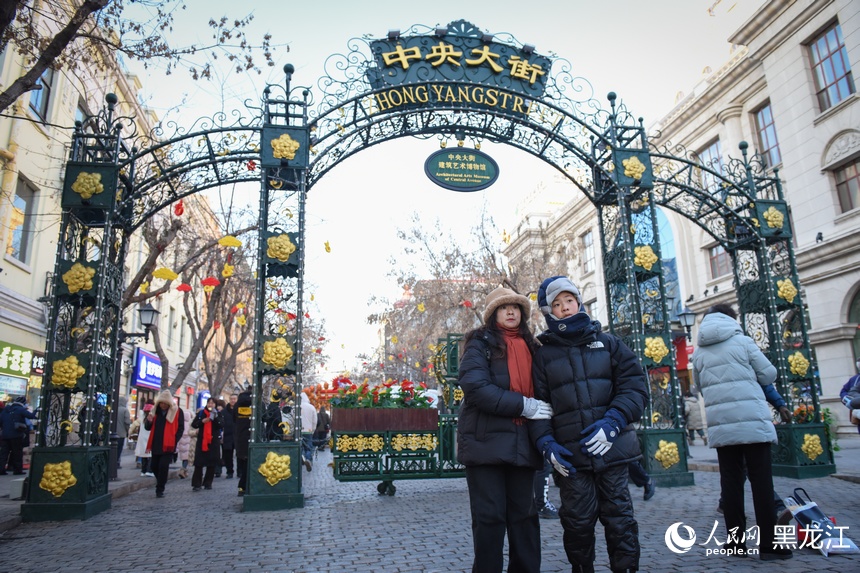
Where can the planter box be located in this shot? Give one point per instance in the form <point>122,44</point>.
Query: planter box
<point>384,419</point>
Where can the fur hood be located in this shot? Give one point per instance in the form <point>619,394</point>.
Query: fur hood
<point>166,397</point>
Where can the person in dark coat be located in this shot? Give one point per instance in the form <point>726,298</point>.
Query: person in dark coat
<point>242,438</point>
<point>597,389</point>
<point>228,436</point>
<point>166,424</point>
<point>493,438</point>
<point>15,431</point>
<point>207,451</point>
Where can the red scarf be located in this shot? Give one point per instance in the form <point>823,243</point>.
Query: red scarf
<point>168,443</point>
<point>207,432</point>
<point>519,364</point>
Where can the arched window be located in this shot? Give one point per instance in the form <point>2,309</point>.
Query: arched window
<point>854,316</point>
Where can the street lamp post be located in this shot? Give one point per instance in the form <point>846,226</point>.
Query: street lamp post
<point>148,316</point>
<point>687,319</point>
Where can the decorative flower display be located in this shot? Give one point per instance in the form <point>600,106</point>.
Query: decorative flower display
<point>811,446</point>
<point>798,364</point>
<point>88,184</point>
<point>389,394</point>
<point>803,414</point>
<point>633,168</point>
<point>667,454</point>
<point>164,273</point>
<point>79,277</point>
<point>57,478</point>
<point>774,218</point>
<point>275,468</point>
<point>277,353</point>
<point>786,290</point>
<point>280,247</point>
<point>644,257</point>
<point>67,372</point>
<point>284,147</point>
<point>655,349</point>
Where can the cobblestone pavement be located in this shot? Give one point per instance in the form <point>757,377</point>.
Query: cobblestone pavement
<point>348,527</point>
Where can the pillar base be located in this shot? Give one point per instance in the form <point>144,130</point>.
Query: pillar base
<point>797,456</point>
<point>665,471</point>
<point>274,477</point>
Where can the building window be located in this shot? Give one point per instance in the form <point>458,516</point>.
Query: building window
<point>590,307</point>
<point>171,326</point>
<point>182,339</point>
<point>710,158</point>
<point>830,67</point>
<point>848,185</point>
<point>588,252</point>
<point>767,136</point>
<point>19,242</point>
<point>41,98</point>
<point>721,262</point>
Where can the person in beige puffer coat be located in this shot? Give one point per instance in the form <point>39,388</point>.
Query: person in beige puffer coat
<point>693,416</point>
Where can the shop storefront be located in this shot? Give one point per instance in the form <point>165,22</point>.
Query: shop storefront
<point>21,371</point>
<point>145,379</point>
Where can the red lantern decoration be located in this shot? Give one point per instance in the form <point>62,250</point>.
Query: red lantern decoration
<point>184,287</point>
<point>179,208</point>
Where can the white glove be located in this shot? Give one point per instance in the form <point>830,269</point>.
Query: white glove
<point>599,443</point>
<point>535,409</point>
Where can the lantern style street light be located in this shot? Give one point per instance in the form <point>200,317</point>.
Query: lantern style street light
<point>687,319</point>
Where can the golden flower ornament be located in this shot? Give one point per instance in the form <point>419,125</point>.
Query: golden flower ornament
<point>633,168</point>
<point>655,349</point>
<point>277,352</point>
<point>798,364</point>
<point>88,184</point>
<point>79,277</point>
<point>280,248</point>
<point>67,372</point>
<point>811,446</point>
<point>284,147</point>
<point>786,290</point>
<point>645,257</point>
<point>275,468</point>
<point>667,454</point>
<point>359,443</point>
<point>57,478</point>
<point>774,218</point>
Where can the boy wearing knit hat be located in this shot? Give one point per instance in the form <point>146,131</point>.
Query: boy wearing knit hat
<point>597,389</point>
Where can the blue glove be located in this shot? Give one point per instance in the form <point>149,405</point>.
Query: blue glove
<point>553,452</point>
<point>602,434</point>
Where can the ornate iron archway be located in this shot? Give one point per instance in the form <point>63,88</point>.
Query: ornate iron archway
<point>426,83</point>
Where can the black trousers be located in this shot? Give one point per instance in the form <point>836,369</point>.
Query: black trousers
<point>502,501</point>
<point>589,496</point>
<point>198,479</point>
<point>242,473</point>
<point>760,473</point>
<point>12,452</point>
<point>227,458</point>
<point>159,464</point>
<point>541,485</point>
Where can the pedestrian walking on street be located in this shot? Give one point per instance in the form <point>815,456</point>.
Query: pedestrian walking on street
<point>243,437</point>
<point>597,390</point>
<point>123,423</point>
<point>323,426</point>
<point>309,425</point>
<point>228,445</point>
<point>140,450</point>
<point>493,438</point>
<point>13,423</point>
<point>184,445</point>
<point>166,425</point>
<point>207,451</point>
<point>733,373</point>
<point>693,419</point>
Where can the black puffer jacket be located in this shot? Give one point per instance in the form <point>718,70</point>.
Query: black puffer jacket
<point>582,377</point>
<point>486,431</point>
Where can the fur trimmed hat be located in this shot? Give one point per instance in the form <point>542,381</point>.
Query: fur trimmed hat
<point>502,296</point>
<point>551,288</point>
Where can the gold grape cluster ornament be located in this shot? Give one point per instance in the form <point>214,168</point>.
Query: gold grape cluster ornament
<point>67,372</point>
<point>786,290</point>
<point>633,168</point>
<point>645,257</point>
<point>655,349</point>
<point>57,478</point>
<point>79,278</point>
<point>275,468</point>
<point>798,364</point>
<point>811,446</point>
<point>774,218</point>
<point>280,247</point>
<point>88,184</point>
<point>667,454</point>
<point>277,353</point>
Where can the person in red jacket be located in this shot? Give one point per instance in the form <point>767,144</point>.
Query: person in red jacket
<point>165,429</point>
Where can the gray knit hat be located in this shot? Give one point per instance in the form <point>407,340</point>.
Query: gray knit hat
<point>551,288</point>
<point>502,296</point>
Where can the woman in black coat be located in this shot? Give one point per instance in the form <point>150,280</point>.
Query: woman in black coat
<point>207,451</point>
<point>493,439</point>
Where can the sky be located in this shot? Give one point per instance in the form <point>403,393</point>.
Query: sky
<point>645,51</point>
